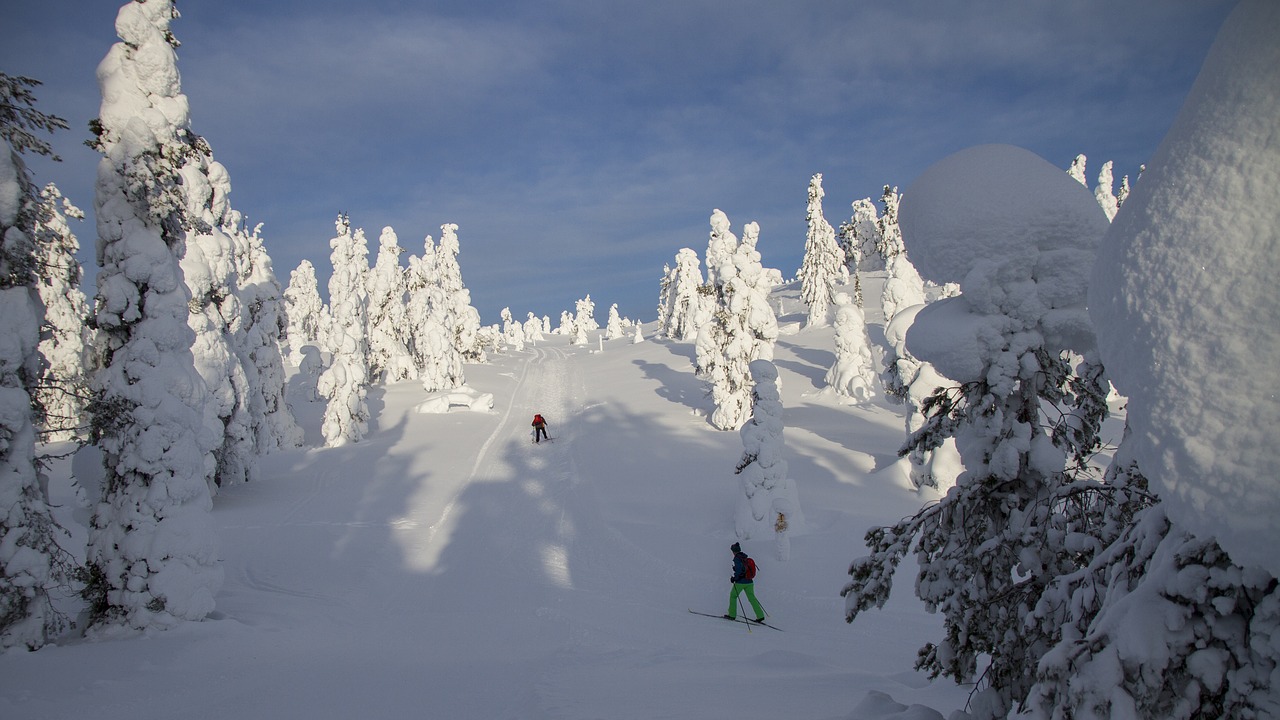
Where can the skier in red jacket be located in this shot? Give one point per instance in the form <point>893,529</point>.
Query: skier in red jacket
<point>539,428</point>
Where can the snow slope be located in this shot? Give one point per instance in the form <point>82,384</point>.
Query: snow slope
<point>446,567</point>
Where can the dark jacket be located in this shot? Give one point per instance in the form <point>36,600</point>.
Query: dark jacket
<point>740,569</point>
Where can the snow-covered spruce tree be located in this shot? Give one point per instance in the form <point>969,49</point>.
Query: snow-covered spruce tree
<point>512,331</point>
<point>743,328</point>
<point>533,329</point>
<point>217,316</point>
<point>666,288</point>
<point>271,418</point>
<point>345,383</point>
<point>911,382</point>
<point>720,245</point>
<point>62,390</point>
<point>489,340</point>
<point>1077,169</point>
<point>1159,624</point>
<point>152,555</point>
<point>1194,354</point>
<point>1123,193</point>
<point>823,266</point>
<point>686,298</point>
<point>389,357</point>
<point>438,361</point>
<point>1178,616</point>
<point>460,319</point>
<point>858,235</point>
<point>889,245</point>
<point>584,322</point>
<point>902,288</point>
<point>566,323</point>
<point>990,547</point>
<point>613,326</point>
<point>31,561</point>
<point>770,502</point>
<point>308,317</point>
<point>1103,192</point>
<point>852,376</point>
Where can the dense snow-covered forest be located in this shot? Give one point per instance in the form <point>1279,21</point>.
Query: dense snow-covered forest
<point>1046,403</point>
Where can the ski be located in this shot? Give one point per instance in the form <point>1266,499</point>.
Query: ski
<point>743,620</point>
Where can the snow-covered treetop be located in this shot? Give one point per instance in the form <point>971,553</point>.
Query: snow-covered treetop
<point>145,95</point>
<point>1185,299</point>
<point>1023,257</point>
<point>994,201</point>
<point>720,245</point>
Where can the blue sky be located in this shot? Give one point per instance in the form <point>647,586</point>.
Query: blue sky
<point>580,144</point>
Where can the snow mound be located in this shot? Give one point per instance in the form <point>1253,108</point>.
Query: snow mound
<point>1185,301</point>
<point>463,398</point>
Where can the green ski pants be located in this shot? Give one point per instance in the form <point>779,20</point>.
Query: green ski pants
<point>750,589</point>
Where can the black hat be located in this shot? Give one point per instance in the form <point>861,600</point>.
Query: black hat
<point>736,548</point>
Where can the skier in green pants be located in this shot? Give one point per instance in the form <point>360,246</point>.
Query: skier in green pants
<point>744,572</point>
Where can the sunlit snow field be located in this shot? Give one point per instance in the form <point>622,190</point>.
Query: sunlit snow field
<point>447,567</point>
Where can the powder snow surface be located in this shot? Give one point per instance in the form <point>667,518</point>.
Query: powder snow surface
<point>1184,296</point>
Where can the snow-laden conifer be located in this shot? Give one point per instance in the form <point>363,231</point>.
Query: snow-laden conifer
<point>1077,169</point>
<point>271,418</point>
<point>62,390</point>
<point>218,316</point>
<point>742,328</point>
<point>389,356</point>
<point>613,326</point>
<point>461,321</point>
<point>902,287</point>
<point>823,266</point>
<point>911,382</point>
<point>990,547</point>
<point>345,383</point>
<point>1122,193</point>
<point>533,329</point>
<point>152,556</point>
<point>1103,191</point>
<point>512,331</point>
<point>853,374</point>
<point>1177,615</point>
<point>566,323</point>
<point>770,502</point>
<point>438,360</point>
<point>889,244</point>
<point>584,322</point>
<point>307,315</point>
<point>720,245</point>
<point>31,561</point>
<point>686,298</point>
<point>859,237</point>
<point>665,288</point>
